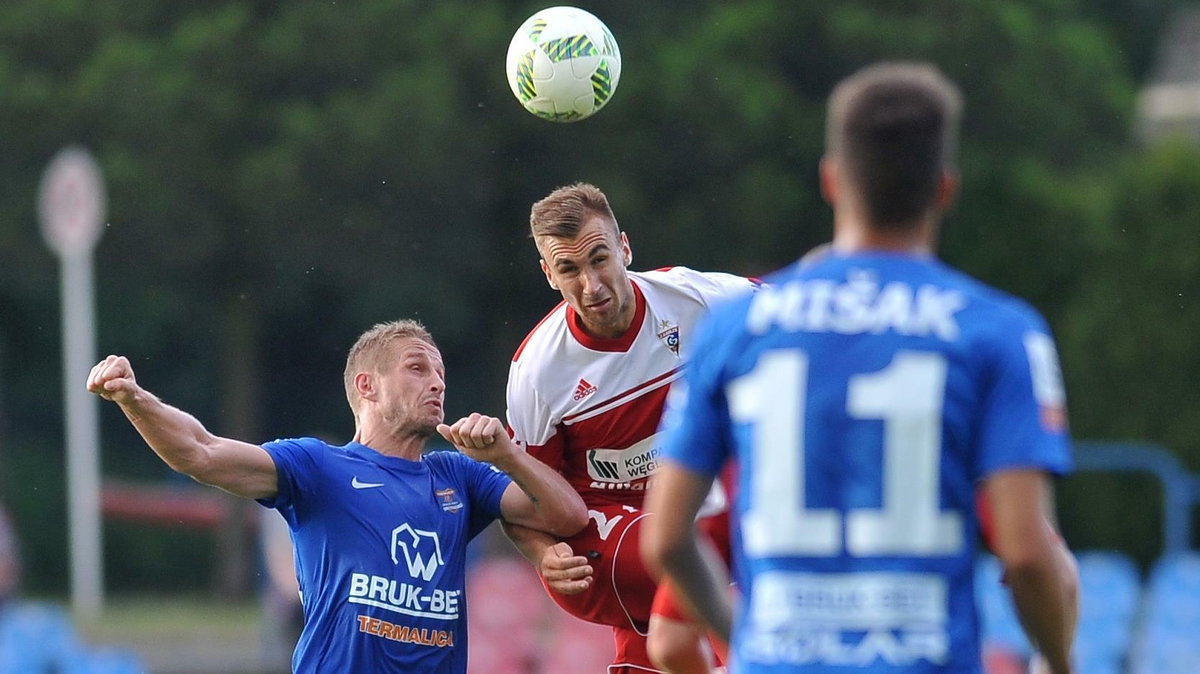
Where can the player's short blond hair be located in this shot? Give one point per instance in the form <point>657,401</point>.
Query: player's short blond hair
<point>374,349</point>
<point>563,212</point>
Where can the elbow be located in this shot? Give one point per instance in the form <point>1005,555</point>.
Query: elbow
<point>1023,561</point>
<point>563,516</point>
<point>572,520</point>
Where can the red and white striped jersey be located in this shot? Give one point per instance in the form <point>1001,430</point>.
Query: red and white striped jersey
<point>590,407</point>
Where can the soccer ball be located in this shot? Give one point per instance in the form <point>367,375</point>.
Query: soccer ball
<point>563,64</point>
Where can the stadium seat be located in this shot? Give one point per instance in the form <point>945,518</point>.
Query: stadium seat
<point>35,638</point>
<point>1166,651</point>
<point>1110,591</point>
<point>507,611</point>
<point>1167,641</point>
<point>574,645</point>
<point>490,653</point>
<point>1176,573</point>
<point>1110,578</point>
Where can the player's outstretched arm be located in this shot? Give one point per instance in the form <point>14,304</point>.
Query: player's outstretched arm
<point>180,440</point>
<point>670,544</point>
<point>1038,567</point>
<point>539,497</point>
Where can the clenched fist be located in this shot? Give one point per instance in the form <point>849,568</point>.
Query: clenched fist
<point>112,379</point>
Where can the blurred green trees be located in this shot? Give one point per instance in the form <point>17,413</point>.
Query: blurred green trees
<point>282,175</point>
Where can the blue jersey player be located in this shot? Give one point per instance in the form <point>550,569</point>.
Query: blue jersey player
<point>866,398</point>
<point>379,527</point>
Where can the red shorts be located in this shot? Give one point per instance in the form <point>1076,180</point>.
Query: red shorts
<point>630,656</point>
<point>622,590</point>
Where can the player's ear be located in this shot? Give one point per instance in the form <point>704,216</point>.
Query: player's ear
<point>364,383</point>
<point>828,171</point>
<point>546,271</point>
<point>947,190</point>
<point>626,251</point>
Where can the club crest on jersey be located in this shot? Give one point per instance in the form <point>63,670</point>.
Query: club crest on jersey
<point>583,389</point>
<point>449,500</point>
<point>669,334</point>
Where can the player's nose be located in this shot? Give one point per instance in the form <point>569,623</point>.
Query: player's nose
<point>591,282</point>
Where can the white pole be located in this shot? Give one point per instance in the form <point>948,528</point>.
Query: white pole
<point>71,209</point>
<point>83,436</point>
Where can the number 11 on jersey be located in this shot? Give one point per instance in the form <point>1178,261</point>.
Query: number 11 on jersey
<point>907,395</point>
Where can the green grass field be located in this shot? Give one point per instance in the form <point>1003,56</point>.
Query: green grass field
<point>185,635</point>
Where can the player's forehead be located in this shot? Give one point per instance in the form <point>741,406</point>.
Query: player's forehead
<point>409,349</point>
<point>597,234</point>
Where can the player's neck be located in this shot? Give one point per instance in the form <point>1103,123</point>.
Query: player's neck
<point>854,235</point>
<point>408,446</point>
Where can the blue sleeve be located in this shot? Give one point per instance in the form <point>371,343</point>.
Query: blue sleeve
<point>1023,420</point>
<point>298,463</point>
<point>484,484</point>
<point>696,422</point>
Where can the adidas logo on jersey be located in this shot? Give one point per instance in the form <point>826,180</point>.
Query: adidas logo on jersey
<point>583,390</point>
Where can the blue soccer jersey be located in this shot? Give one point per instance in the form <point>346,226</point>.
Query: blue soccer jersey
<point>380,548</point>
<point>865,397</point>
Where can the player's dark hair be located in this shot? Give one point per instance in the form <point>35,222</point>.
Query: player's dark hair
<point>563,212</point>
<point>372,350</point>
<point>893,127</point>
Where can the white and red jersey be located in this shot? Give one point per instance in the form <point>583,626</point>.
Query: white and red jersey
<point>590,407</point>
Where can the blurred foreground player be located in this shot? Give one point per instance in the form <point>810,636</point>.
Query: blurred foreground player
<point>678,642</point>
<point>379,527</point>
<point>864,397</point>
<point>585,395</point>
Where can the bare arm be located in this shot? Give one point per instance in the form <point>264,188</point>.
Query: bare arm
<point>563,570</point>
<point>531,543</point>
<point>1039,569</point>
<point>538,498</point>
<point>240,468</point>
<point>670,543</point>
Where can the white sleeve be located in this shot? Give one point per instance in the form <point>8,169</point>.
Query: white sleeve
<point>715,286</point>
<point>529,417</point>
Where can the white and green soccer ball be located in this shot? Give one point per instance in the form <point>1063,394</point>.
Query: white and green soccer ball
<point>563,64</point>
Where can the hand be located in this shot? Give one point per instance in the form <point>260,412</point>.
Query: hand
<point>564,571</point>
<point>480,437</point>
<point>112,379</point>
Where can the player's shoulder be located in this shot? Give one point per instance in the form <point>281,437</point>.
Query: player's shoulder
<point>703,286</point>
<point>997,307</point>
<point>979,297</point>
<point>679,275</point>
<point>302,444</point>
<point>543,338</point>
